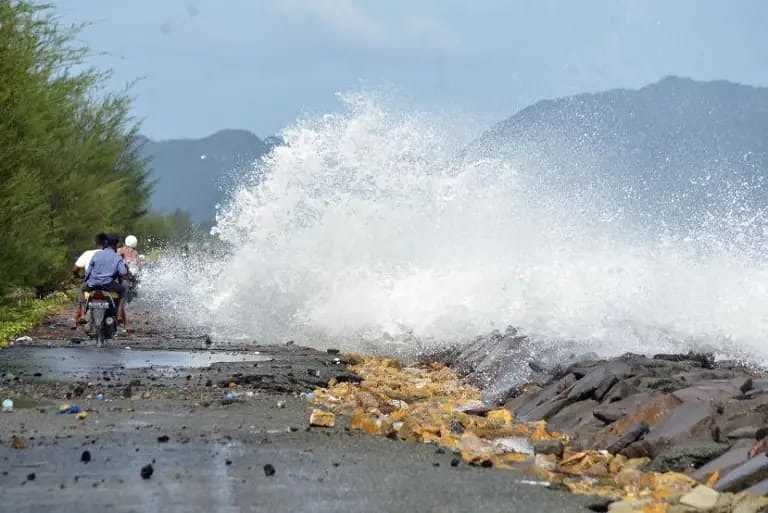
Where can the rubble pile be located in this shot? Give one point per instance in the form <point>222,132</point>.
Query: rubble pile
<point>671,433</point>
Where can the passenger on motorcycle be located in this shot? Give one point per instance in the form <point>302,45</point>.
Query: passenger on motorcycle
<point>105,271</point>
<point>131,258</point>
<point>81,264</point>
<point>130,254</point>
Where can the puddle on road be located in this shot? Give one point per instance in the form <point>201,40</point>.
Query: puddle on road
<point>69,360</point>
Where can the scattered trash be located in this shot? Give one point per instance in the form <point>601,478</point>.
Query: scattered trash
<point>534,483</point>
<point>332,351</point>
<point>99,397</point>
<point>147,471</point>
<point>82,415</point>
<point>66,409</point>
<point>85,457</point>
<point>7,405</point>
<point>127,348</point>
<point>320,418</point>
<point>514,444</point>
<point>281,404</point>
<point>231,396</point>
<point>308,396</point>
<point>31,476</point>
<point>269,470</point>
<point>23,339</point>
<point>163,439</point>
<point>18,442</point>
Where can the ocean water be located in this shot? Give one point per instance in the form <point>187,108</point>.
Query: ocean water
<point>368,231</point>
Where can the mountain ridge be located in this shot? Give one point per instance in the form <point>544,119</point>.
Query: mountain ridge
<point>647,145</point>
<point>194,174</point>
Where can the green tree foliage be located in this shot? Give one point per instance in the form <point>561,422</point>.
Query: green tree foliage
<point>69,159</point>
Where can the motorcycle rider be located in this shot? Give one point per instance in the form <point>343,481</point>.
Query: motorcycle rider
<point>81,264</point>
<point>105,271</point>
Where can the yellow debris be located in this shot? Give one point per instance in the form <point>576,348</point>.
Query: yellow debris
<point>320,418</point>
<point>429,404</point>
<point>501,416</point>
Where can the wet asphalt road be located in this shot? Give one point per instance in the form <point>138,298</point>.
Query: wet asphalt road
<point>216,450</point>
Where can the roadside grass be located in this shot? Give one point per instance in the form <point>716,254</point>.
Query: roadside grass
<point>21,312</point>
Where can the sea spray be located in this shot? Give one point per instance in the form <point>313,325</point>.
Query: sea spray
<point>366,231</point>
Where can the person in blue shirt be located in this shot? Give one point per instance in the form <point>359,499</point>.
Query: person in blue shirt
<point>82,265</point>
<point>105,272</point>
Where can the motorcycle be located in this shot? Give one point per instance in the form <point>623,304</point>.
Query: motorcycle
<point>133,280</point>
<point>101,308</point>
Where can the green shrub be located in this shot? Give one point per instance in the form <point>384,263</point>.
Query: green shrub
<point>69,153</point>
<point>21,313</point>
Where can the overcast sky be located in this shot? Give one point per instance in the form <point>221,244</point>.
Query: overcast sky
<point>257,64</point>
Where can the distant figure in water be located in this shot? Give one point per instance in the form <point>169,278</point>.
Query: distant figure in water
<point>81,264</point>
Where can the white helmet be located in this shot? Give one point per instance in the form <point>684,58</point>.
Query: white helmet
<point>131,241</point>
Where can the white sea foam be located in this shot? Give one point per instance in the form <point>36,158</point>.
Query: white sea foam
<point>368,231</point>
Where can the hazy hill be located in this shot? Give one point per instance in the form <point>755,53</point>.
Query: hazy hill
<point>191,173</point>
<point>675,144</point>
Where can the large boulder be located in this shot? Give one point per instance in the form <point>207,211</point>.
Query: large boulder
<point>744,476</point>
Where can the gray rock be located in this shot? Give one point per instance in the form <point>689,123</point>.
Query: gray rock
<point>576,417</point>
<point>548,394</point>
<point>602,377</point>
<point>759,386</point>
<point>745,413</point>
<point>758,490</point>
<point>619,391</point>
<point>639,449</point>
<point>704,360</point>
<point>679,424</point>
<point>735,456</point>
<point>751,432</point>
<point>685,456</point>
<point>745,475</point>
<point>544,411</point>
<point>632,435</point>
<point>549,447</point>
<point>659,384</point>
<point>527,397</point>
<point>610,413</point>
<point>716,390</point>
